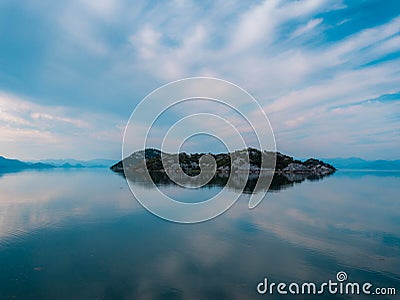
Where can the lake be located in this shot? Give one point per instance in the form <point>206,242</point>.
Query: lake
<point>80,234</point>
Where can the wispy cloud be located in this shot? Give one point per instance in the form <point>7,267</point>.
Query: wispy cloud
<point>33,131</point>
<point>308,27</point>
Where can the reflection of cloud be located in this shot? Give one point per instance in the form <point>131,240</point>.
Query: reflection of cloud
<point>30,200</point>
<point>318,218</point>
<point>301,234</point>
<point>321,217</point>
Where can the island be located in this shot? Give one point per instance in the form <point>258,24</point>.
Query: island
<point>226,162</point>
<point>229,171</point>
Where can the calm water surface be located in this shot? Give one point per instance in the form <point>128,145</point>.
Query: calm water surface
<point>80,234</point>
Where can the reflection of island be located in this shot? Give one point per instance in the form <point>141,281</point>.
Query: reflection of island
<point>228,169</point>
<point>279,181</point>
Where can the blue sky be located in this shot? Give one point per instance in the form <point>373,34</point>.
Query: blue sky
<point>327,73</point>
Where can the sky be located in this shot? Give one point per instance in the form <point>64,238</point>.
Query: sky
<point>326,73</point>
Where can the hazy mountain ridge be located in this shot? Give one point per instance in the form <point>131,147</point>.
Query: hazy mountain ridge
<point>15,164</point>
<point>8,164</point>
<point>359,163</point>
<point>75,163</point>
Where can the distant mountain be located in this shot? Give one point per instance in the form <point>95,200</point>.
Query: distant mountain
<point>359,163</point>
<point>74,163</point>
<point>7,164</point>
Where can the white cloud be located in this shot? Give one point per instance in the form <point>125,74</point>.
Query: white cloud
<point>146,41</point>
<point>255,25</point>
<point>32,131</point>
<point>308,27</point>
<point>103,9</point>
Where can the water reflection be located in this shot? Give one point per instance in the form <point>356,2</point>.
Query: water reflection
<point>235,182</point>
<point>30,200</point>
<point>80,234</point>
